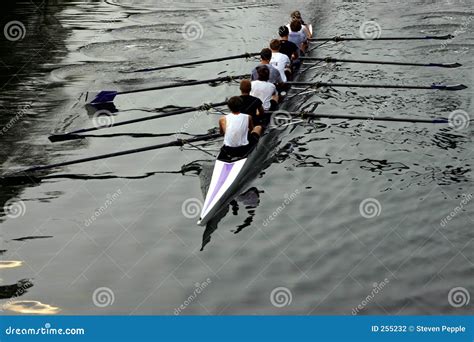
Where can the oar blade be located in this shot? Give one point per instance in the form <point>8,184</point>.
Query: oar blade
<point>64,137</point>
<point>449,87</point>
<point>445,65</point>
<point>104,96</point>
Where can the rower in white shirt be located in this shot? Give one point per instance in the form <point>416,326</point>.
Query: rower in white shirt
<point>264,90</point>
<point>280,60</point>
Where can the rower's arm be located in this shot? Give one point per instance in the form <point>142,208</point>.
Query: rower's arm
<point>250,124</point>
<point>222,125</point>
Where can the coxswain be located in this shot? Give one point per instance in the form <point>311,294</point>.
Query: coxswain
<point>280,60</point>
<point>296,15</point>
<point>265,90</point>
<point>240,135</point>
<point>265,58</point>
<point>252,105</point>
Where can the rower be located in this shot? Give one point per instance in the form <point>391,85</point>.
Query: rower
<point>238,130</point>
<point>265,90</point>
<point>252,105</point>
<point>265,58</point>
<point>297,36</point>
<point>288,48</point>
<point>296,15</point>
<point>280,60</point>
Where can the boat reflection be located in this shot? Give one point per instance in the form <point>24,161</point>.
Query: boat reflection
<point>10,264</point>
<point>15,290</point>
<point>31,307</point>
<point>250,199</point>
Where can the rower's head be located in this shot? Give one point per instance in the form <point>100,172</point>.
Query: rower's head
<point>235,104</point>
<point>275,45</point>
<point>283,31</point>
<point>295,15</point>
<point>266,55</point>
<point>296,26</point>
<point>245,87</point>
<point>263,73</point>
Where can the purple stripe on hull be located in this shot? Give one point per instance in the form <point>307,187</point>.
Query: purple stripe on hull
<point>222,178</point>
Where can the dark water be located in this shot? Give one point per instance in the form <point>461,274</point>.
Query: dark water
<point>112,237</point>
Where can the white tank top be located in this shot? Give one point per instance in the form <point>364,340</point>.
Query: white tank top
<point>237,129</point>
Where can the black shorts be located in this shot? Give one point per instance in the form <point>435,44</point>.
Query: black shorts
<point>273,105</point>
<point>229,154</point>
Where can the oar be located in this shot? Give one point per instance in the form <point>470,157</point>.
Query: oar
<point>105,96</point>
<point>434,86</point>
<point>336,60</point>
<point>177,142</point>
<point>75,134</point>
<point>204,61</point>
<point>306,115</point>
<point>340,39</point>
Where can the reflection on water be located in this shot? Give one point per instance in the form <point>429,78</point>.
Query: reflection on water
<point>10,264</point>
<point>15,290</point>
<point>31,307</point>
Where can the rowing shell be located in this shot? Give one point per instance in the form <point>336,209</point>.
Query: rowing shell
<point>229,177</point>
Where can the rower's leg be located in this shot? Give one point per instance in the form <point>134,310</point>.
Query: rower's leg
<point>258,130</point>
